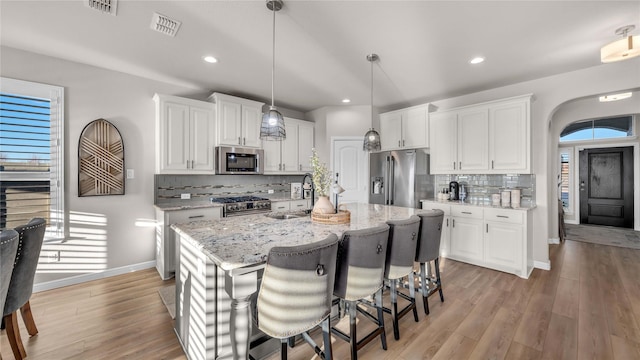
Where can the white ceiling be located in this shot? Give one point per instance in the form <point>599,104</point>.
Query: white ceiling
<point>424,46</point>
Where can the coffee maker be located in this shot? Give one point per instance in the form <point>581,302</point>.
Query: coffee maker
<point>454,190</point>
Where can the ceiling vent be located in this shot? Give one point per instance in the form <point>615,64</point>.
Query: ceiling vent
<point>165,25</point>
<point>104,6</point>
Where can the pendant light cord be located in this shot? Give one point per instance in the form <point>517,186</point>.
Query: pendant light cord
<point>273,54</point>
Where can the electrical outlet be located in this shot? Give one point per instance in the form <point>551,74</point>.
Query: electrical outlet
<point>130,174</point>
<point>186,196</point>
<point>270,191</point>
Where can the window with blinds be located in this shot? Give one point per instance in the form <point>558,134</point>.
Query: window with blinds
<point>31,155</point>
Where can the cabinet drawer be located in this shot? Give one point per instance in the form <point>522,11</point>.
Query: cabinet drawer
<point>430,205</point>
<point>472,212</point>
<point>280,205</point>
<point>300,204</point>
<point>504,215</point>
<point>188,215</point>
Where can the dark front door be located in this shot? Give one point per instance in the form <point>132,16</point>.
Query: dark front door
<point>606,186</point>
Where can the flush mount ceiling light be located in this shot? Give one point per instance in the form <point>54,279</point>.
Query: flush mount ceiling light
<point>614,97</point>
<point>625,48</point>
<point>210,59</point>
<point>272,126</point>
<point>476,60</point>
<point>372,137</point>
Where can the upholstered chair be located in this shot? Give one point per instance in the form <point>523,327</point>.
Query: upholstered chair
<point>30,237</point>
<point>401,251</point>
<point>361,259</point>
<point>296,293</point>
<point>428,252</point>
<point>8,249</point>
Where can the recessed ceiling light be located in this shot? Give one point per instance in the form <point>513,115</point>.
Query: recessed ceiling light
<point>614,97</point>
<point>346,101</point>
<point>210,59</point>
<point>476,60</point>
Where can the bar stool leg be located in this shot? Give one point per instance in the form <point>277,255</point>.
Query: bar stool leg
<point>394,307</point>
<point>424,288</point>
<point>437,264</point>
<point>283,348</point>
<point>326,338</point>
<point>383,335</point>
<point>412,295</point>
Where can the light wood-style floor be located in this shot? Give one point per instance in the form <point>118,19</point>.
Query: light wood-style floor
<point>586,307</point>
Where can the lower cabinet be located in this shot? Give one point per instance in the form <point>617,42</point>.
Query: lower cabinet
<point>285,205</point>
<point>495,238</point>
<point>165,237</point>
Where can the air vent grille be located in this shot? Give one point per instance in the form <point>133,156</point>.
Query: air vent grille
<point>165,25</point>
<point>105,6</point>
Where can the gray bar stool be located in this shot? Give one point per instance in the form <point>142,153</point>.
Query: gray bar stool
<point>429,251</point>
<point>30,240</point>
<point>8,250</point>
<point>401,251</point>
<point>361,258</point>
<point>296,293</point>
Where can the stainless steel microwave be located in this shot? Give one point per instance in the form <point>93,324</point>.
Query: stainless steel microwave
<point>239,160</point>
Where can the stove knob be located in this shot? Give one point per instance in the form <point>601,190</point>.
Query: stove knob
<point>233,208</point>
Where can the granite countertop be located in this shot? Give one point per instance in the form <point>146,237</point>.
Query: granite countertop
<point>488,206</point>
<point>243,241</point>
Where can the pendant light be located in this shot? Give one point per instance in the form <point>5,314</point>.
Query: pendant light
<point>625,48</point>
<point>372,137</point>
<point>272,126</point>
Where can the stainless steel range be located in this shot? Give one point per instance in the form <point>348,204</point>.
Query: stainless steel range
<point>243,205</point>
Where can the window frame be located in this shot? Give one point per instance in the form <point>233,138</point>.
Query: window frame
<point>55,94</point>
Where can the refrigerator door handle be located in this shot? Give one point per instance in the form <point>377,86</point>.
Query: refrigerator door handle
<point>387,187</point>
<point>392,186</point>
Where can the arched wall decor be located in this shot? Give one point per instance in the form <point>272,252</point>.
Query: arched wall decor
<point>100,160</point>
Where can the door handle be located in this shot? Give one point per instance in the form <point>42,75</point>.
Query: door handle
<point>239,140</point>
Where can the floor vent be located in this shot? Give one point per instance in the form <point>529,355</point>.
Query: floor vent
<point>105,6</point>
<point>165,25</point>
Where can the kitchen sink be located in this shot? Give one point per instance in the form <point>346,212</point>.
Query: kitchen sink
<point>287,215</point>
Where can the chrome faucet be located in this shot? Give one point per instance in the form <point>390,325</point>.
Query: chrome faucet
<point>313,189</point>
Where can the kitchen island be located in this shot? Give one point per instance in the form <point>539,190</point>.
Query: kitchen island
<point>220,263</point>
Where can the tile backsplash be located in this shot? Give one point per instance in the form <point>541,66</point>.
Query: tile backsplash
<point>480,187</point>
<point>169,188</point>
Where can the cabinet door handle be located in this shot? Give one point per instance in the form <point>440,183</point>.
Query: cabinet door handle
<point>447,222</point>
<point>502,216</point>
<point>466,212</point>
<point>402,142</point>
<point>453,222</point>
<point>244,141</point>
<point>398,143</point>
<point>487,228</point>
<point>454,165</point>
<point>196,216</point>
<point>460,167</point>
<point>284,166</point>
<point>492,164</point>
<point>300,205</point>
<point>239,140</point>
<point>300,167</point>
<point>193,164</point>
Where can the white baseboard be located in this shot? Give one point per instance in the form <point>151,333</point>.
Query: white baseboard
<point>544,265</point>
<point>554,241</point>
<point>54,284</point>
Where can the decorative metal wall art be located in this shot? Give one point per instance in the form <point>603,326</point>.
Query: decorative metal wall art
<point>100,160</point>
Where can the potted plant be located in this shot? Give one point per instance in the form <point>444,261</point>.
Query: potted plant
<point>321,182</point>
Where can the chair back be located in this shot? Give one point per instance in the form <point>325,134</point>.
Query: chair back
<point>30,237</point>
<point>8,250</point>
<point>361,258</point>
<point>430,233</point>
<point>296,290</point>
<point>401,248</point>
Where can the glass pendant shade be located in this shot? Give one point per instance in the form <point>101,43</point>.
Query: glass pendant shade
<point>272,126</point>
<point>371,140</point>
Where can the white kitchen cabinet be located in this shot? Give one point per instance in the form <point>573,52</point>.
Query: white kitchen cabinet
<point>509,139</point>
<point>238,120</point>
<point>445,238</point>
<point>405,128</point>
<point>165,241</point>
<point>488,138</point>
<point>290,156</point>
<point>496,238</point>
<point>185,130</point>
<point>466,234</point>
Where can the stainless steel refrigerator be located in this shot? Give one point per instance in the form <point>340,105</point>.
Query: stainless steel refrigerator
<point>400,178</point>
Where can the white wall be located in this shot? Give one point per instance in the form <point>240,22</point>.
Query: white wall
<point>108,221</point>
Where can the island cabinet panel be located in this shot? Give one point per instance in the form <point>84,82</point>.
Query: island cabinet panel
<point>489,138</point>
<point>185,131</point>
<point>493,237</point>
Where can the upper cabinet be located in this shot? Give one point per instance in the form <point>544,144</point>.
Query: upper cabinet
<point>490,138</point>
<point>290,156</point>
<point>184,136</point>
<point>238,120</point>
<point>405,128</point>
